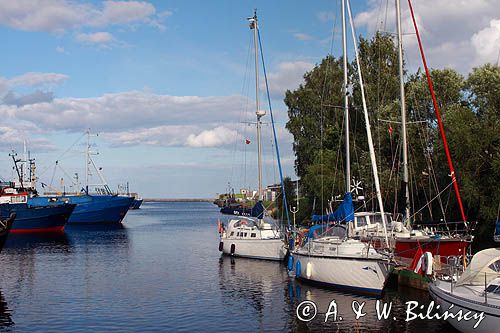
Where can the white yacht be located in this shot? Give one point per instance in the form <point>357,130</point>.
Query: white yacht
<point>330,255</point>
<point>476,292</point>
<point>331,258</point>
<point>252,238</point>
<point>246,236</point>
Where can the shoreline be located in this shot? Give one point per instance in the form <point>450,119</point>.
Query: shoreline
<point>178,200</point>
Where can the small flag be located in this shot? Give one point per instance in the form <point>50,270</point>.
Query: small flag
<point>390,130</point>
<point>247,141</point>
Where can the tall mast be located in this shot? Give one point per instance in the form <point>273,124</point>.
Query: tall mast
<point>346,105</point>
<point>87,156</point>
<point>368,130</point>
<point>24,165</point>
<point>438,116</point>
<point>259,113</point>
<point>406,219</point>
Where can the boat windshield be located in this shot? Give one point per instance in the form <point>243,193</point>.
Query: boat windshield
<point>377,218</point>
<point>495,266</point>
<point>244,223</point>
<point>332,230</point>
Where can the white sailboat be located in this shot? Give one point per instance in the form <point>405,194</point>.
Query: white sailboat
<point>246,236</point>
<point>329,255</point>
<point>405,240</point>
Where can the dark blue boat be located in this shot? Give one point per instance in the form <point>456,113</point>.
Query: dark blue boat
<point>5,226</point>
<point>90,208</point>
<point>256,211</point>
<point>43,218</point>
<point>136,204</point>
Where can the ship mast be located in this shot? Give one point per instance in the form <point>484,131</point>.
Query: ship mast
<point>368,130</point>
<point>87,157</point>
<point>406,218</point>
<point>346,104</point>
<point>259,113</point>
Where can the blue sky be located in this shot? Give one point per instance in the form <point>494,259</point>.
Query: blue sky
<point>167,85</point>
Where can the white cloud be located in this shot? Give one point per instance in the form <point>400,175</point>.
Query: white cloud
<point>12,138</point>
<point>120,12</point>
<point>303,36</point>
<point>133,109</point>
<point>96,37</point>
<point>214,137</point>
<point>61,15</point>
<point>35,79</point>
<point>487,43</point>
<point>60,49</point>
<point>447,30</point>
<point>289,75</point>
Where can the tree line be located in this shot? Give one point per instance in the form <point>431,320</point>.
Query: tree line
<point>469,105</point>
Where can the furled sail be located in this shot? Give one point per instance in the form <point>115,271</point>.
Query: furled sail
<point>343,213</point>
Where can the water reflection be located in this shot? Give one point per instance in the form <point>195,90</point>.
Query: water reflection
<point>394,298</point>
<point>99,237</point>
<point>52,242</point>
<point>6,321</point>
<point>256,283</point>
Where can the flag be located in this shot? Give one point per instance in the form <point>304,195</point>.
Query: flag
<point>247,141</point>
<point>390,130</point>
<point>416,258</point>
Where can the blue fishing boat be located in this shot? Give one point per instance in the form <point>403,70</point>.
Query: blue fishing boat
<point>124,191</point>
<point>104,207</point>
<point>136,204</point>
<point>90,208</point>
<point>48,217</point>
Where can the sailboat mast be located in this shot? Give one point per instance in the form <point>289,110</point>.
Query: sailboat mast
<point>406,219</point>
<point>346,104</point>
<point>368,130</point>
<point>258,112</point>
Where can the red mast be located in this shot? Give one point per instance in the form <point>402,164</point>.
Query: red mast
<point>438,116</point>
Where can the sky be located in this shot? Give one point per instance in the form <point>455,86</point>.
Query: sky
<point>168,86</point>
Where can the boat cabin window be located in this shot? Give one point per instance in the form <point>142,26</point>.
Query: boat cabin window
<point>377,218</point>
<point>244,223</point>
<point>253,234</point>
<point>361,221</point>
<point>493,288</point>
<point>495,266</point>
<point>237,234</point>
<point>330,231</point>
<point>245,234</point>
<point>232,233</point>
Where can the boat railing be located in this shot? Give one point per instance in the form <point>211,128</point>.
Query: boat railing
<point>454,229</point>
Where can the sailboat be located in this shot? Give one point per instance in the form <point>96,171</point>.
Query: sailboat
<point>254,237</point>
<point>329,255</point>
<point>405,240</point>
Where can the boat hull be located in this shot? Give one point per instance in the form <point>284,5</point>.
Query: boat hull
<point>267,249</point>
<point>92,209</point>
<point>5,229</point>
<point>357,275</point>
<point>445,300</point>
<point>50,218</point>
<point>136,204</point>
<point>408,247</point>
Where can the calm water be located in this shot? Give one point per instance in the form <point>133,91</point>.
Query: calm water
<point>163,272</point>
